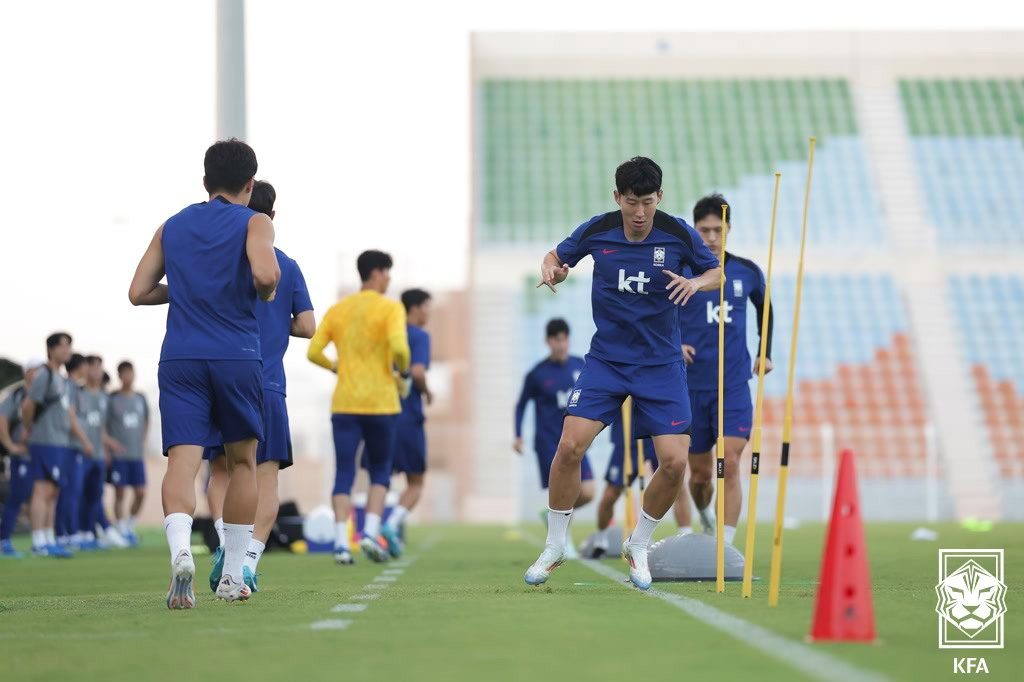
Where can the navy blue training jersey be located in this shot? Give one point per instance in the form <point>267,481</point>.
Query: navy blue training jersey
<point>275,320</point>
<point>549,385</point>
<point>210,291</point>
<point>636,322</point>
<point>419,354</point>
<point>698,322</point>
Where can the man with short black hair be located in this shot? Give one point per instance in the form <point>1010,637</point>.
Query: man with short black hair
<point>127,423</point>
<point>19,466</point>
<point>410,457</point>
<point>219,259</point>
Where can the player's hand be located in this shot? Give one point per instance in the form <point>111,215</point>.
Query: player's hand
<point>517,445</point>
<point>767,365</point>
<point>116,448</point>
<point>679,288</point>
<point>553,275</point>
<point>18,449</point>
<point>87,448</point>
<point>429,397</point>
<point>688,353</point>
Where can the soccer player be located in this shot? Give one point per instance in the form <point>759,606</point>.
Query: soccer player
<point>93,406</point>
<point>18,464</point>
<point>548,384</point>
<point>69,499</point>
<point>699,328</point>
<point>127,423</point>
<point>219,259</point>
<point>289,314</point>
<point>410,456</point>
<point>369,336</point>
<point>46,418</point>
<point>615,478</point>
<point>638,252</point>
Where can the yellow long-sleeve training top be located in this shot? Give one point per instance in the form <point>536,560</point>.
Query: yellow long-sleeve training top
<point>369,336</point>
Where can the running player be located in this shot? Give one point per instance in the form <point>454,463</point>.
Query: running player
<point>548,384</point>
<point>219,259</point>
<point>46,418</point>
<point>369,336</point>
<point>289,314</point>
<point>411,440</point>
<point>19,466</point>
<point>699,328</point>
<point>637,252</point>
<point>128,424</point>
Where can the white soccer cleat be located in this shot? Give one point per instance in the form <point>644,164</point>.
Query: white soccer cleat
<point>230,589</point>
<point>179,593</point>
<point>600,544</point>
<point>550,559</point>
<point>636,557</point>
<point>114,539</point>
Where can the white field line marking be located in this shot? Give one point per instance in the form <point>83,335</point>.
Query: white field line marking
<point>349,608</point>
<point>385,579</point>
<point>394,571</point>
<point>375,586</point>
<point>812,662</point>
<point>333,624</point>
<point>365,597</point>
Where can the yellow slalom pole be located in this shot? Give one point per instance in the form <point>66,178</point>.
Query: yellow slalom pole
<point>627,463</point>
<point>787,422</point>
<point>755,457</point>
<point>720,444</point>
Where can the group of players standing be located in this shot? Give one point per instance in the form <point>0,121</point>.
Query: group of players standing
<point>234,301</point>
<point>656,307</point>
<point>66,437</point>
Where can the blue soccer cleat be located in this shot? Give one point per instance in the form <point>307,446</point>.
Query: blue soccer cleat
<point>218,569</point>
<point>7,550</point>
<point>57,551</point>
<point>249,578</point>
<point>394,542</point>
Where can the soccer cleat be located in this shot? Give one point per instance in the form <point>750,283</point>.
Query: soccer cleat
<point>230,589</point>
<point>179,593</point>
<point>394,542</point>
<point>7,550</point>
<point>115,539</point>
<point>636,557</point>
<point>550,559</point>
<point>218,568</point>
<point>600,545</point>
<point>58,551</point>
<point>249,578</point>
<point>132,539</point>
<point>343,557</point>
<point>707,520</point>
<point>89,546</point>
<point>372,549</point>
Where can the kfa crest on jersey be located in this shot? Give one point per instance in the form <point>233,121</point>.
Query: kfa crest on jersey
<point>659,255</point>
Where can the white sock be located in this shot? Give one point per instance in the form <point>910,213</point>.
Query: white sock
<point>51,539</point>
<point>371,528</point>
<point>124,528</point>
<point>341,535</point>
<point>218,526</point>
<point>39,538</point>
<point>236,541</point>
<point>253,554</point>
<point>558,527</point>
<point>131,524</point>
<point>178,527</point>
<point>685,530</point>
<point>645,526</point>
<point>730,533</point>
<point>397,516</point>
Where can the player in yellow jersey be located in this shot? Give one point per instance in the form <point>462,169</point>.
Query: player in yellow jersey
<point>369,337</point>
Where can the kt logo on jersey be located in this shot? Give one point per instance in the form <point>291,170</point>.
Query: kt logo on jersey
<point>971,599</point>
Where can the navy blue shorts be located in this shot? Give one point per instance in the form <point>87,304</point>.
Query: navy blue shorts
<point>616,469</point>
<point>277,443</point>
<point>546,455</point>
<point>661,405</point>
<point>50,462</point>
<point>410,456</point>
<point>128,473</point>
<point>377,434</point>
<point>209,402</point>
<point>737,413</point>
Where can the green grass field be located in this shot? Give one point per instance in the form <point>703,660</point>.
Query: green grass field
<point>460,611</point>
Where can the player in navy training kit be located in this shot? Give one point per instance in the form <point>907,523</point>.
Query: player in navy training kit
<point>637,254</point>
<point>219,260</point>
<point>699,329</point>
<point>549,385</point>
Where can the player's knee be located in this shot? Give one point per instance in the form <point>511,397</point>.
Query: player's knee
<point>571,449</point>
<point>673,466</point>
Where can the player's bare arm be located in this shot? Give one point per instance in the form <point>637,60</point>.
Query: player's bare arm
<point>303,325</point>
<point>680,289</point>
<point>418,372</point>
<point>259,247</point>
<point>79,432</point>
<point>146,288</point>
<point>552,271</point>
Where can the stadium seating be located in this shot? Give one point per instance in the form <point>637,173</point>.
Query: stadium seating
<point>991,323</point>
<point>967,138</point>
<point>549,149</point>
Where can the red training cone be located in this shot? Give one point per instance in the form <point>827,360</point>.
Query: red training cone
<point>843,610</point>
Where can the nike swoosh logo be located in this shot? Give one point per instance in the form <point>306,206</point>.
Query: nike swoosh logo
<point>675,423</point>
<point>607,251</point>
